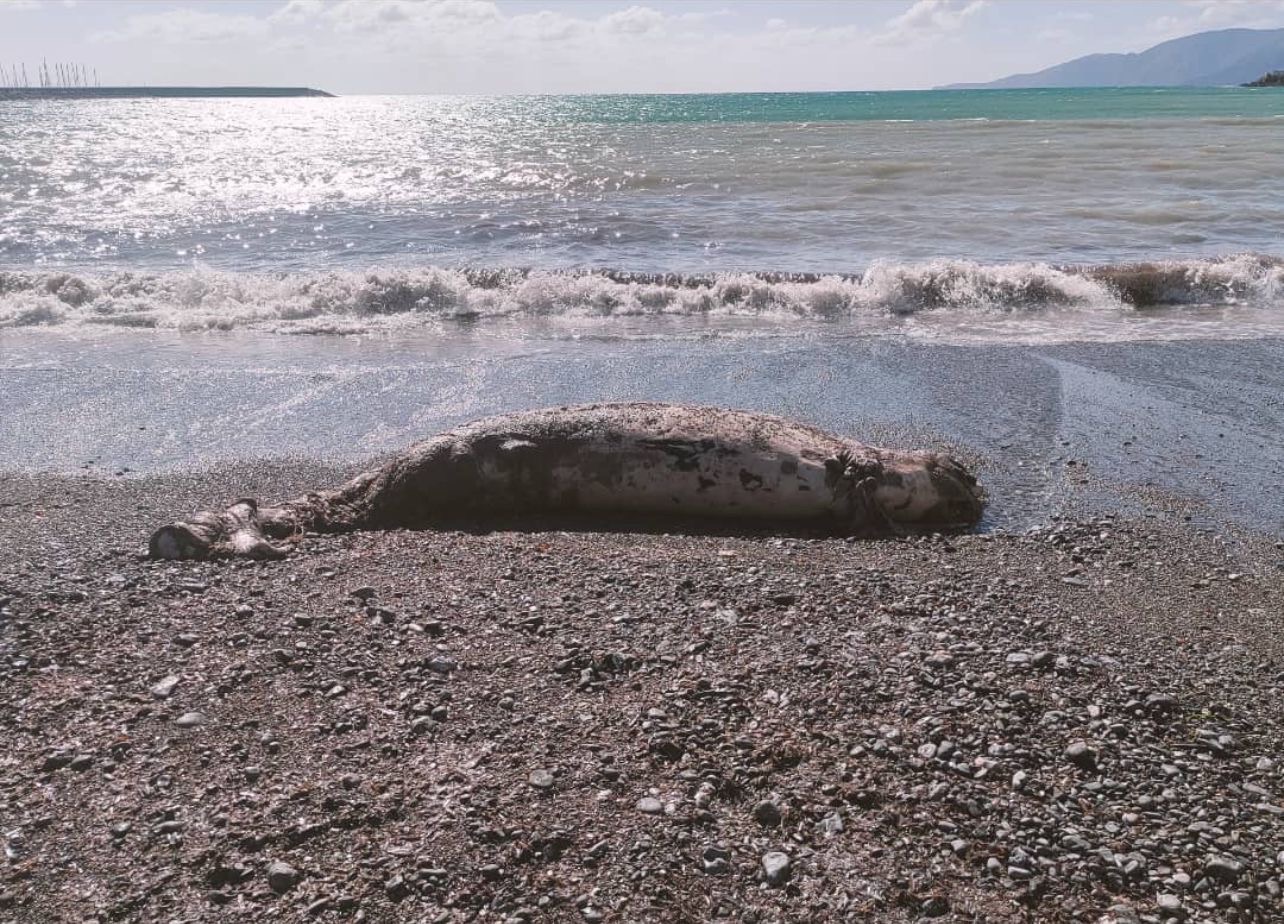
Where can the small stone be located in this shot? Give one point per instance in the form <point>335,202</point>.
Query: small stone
<point>1082,756</point>
<point>775,867</point>
<point>164,688</point>
<point>1124,914</point>
<point>120,829</point>
<point>831,824</point>
<point>362,593</point>
<point>935,907</point>
<point>649,805</point>
<point>767,813</point>
<point>191,719</point>
<point>169,827</point>
<point>395,887</point>
<point>715,861</point>
<point>282,877</point>
<point>1169,905</point>
<point>939,660</point>
<point>1223,869</point>
<point>81,762</point>
<point>542,779</point>
<point>1043,660</point>
<point>336,691</point>
<point>441,664</point>
<point>927,751</point>
<point>186,640</point>
<point>57,761</point>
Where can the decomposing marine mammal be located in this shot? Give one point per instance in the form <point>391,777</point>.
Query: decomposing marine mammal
<point>633,458</point>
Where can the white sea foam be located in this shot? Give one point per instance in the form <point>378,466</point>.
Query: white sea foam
<point>346,302</point>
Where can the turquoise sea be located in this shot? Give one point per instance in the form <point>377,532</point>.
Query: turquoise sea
<point>912,105</point>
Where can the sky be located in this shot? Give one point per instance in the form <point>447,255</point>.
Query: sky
<point>593,46</point>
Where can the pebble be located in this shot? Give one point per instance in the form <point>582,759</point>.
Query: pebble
<point>1079,754</point>
<point>191,719</point>
<point>542,779</point>
<point>715,861</point>
<point>1223,869</point>
<point>1124,914</point>
<point>1169,905</point>
<point>165,687</point>
<point>940,660</point>
<point>767,813</point>
<point>775,867</point>
<point>935,907</point>
<point>282,877</point>
<point>57,761</point>
<point>649,805</point>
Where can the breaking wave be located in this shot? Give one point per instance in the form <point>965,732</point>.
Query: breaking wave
<point>348,302</point>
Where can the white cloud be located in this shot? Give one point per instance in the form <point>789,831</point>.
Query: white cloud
<point>438,15</point>
<point>186,26</point>
<point>1205,15</point>
<point>928,19</point>
<point>636,20</point>
<point>16,5</point>
<point>547,26</point>
<point>298,11</point>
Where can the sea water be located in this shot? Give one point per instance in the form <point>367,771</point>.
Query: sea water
<point>370,213</point>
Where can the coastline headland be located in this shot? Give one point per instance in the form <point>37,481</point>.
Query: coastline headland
<point>42,93</point>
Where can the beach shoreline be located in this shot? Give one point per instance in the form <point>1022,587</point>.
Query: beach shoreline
<point>1191,428</point>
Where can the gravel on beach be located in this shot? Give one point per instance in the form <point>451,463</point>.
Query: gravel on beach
<point>1080,723</point>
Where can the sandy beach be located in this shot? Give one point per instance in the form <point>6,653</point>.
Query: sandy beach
<point>572,725</point>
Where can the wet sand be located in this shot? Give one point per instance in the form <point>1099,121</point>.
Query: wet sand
<point>1052,428</point>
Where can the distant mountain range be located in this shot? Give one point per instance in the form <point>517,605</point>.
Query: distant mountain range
<point>1206,59</point>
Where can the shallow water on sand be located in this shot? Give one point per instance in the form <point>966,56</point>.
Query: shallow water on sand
<point>1050,426</point>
